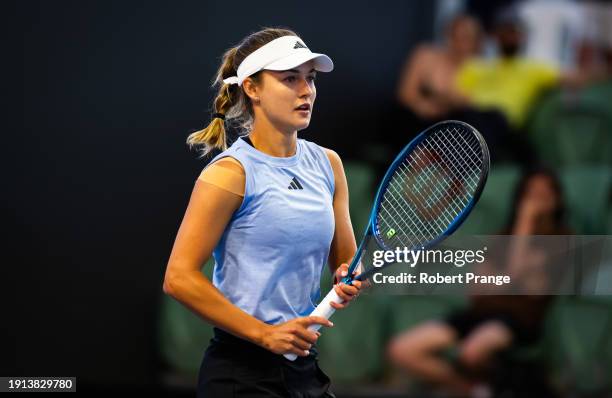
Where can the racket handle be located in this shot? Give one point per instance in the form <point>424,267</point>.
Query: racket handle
<point>325,310</point>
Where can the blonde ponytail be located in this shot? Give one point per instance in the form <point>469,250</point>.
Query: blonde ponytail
<point>214,136</point>
<point>211,137</point>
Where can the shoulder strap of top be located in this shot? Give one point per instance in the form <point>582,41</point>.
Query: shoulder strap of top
<point>321,155</point>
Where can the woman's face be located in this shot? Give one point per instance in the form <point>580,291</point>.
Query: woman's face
<point>286,98</point>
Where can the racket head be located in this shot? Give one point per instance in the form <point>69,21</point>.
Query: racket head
<point>431,187</point>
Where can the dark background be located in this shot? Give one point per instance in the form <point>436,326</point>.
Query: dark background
<point>98,171</point>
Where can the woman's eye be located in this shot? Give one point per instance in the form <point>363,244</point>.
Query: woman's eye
<point>290,79</point>
<point>312,78</point>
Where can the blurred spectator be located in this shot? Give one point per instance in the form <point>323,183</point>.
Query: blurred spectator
<point>426,90</point>
<point>427,82</point>
<point>509,82</point>
<point>492,325</point>
<point>428,93</point>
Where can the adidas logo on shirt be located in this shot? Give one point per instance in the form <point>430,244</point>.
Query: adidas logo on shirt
<point>295,184</point>
<point>299,45</point>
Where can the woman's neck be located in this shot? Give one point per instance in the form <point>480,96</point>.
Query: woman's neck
<point>270,140</point>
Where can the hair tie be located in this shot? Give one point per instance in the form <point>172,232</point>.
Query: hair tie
<point>218,115</point>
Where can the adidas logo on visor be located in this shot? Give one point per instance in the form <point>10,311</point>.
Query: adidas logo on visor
<point>295,184</point>
<point>299,45</point>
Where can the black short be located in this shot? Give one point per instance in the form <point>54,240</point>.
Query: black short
<point>465,322</point>
<point>233,367</point>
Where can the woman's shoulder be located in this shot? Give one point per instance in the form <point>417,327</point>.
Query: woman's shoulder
<point>333,157</point>
<point>226,173</point>
<point>229,163</point>
<point>334,160</point>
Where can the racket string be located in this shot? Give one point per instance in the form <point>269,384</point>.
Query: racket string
<point>469,146</point>
<point>428,231</point>
<point>395,218</point>
<point>449,152</point>
<point>441,193</point>
<point>405,208</point>
<point>431,188</point>
<point>425,231</point>
<point>431,216</point>
<point>401,227</point>
<point>417,191</point>
<point>388,226</point>
<point>464,153</point>
<point>457,185</point>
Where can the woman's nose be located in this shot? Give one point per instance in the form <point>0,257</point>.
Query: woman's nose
<point>305,88</point>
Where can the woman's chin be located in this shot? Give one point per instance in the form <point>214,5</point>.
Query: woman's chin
<point>296,125</point>
<point>302,124</point>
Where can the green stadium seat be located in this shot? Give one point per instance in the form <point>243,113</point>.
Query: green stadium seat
<point>587,191</point>
<point>351,351</point>
<point>360,179</point>
<point>490,214</point>
<point>569,129</point>
<point>579,344</point>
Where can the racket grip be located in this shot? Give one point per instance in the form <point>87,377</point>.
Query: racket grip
<point>325,310</point>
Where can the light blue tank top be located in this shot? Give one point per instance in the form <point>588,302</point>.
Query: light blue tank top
<point>269,259</point>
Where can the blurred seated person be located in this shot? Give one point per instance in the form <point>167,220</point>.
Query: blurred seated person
<point>492,324</point>
<point>427,84</point>
<point>508,82</point>
<point>428,93</point>
<point>423,94</point>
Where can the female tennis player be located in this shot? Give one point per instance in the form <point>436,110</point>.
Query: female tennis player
<point>272,209</point>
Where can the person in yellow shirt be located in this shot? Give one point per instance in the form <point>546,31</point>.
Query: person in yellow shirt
<point>509,83</point>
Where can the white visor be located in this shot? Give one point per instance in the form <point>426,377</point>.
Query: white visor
<point>283,53</point>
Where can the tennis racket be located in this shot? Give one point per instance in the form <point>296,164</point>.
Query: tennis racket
<point>425,195</point>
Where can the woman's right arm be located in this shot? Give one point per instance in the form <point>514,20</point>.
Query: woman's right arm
<point>210,209</point>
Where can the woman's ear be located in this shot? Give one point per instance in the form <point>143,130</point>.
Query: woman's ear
<point>251,89</point>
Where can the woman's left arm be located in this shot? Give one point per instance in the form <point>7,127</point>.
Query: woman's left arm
<point>343,246</point>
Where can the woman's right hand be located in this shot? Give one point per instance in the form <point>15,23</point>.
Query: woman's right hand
<point>292,337</point>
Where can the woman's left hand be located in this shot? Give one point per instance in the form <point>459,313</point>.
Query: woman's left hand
<point>347,292</point>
